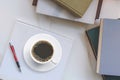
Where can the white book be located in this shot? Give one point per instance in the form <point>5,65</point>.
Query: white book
<point>110,9</point>
<point>48,7</point>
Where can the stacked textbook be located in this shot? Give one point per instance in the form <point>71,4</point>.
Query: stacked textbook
<point>91,9</point>
<point>73,10</point>
<point>104,41</point>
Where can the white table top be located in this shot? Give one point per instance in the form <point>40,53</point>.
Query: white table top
<point>78,67</point>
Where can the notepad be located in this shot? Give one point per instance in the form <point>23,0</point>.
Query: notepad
<point>21,33</point>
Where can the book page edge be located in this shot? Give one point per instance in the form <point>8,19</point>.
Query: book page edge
<point>99,46</point>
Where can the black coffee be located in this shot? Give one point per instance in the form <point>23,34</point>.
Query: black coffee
<point>42,51</point>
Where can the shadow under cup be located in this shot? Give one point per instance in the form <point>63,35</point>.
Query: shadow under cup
<point>42,52</point>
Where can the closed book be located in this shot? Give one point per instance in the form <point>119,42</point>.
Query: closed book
<point>77,7</point>
<point>109,48</point>
<point>93,37</point>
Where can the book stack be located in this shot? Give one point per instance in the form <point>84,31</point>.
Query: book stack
<point>104,41</point>
<point>71,9</point>
<point>110,9</point>
<point>77,7</point>
<point>74,10</point>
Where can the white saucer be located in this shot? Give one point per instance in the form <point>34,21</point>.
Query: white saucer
<point>42,67</point>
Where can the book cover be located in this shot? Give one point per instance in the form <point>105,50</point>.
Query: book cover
<point>108,49</point>
<point>93,37</point>
<point>78,7</point>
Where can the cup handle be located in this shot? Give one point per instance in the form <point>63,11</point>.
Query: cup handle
<point>53,62</point>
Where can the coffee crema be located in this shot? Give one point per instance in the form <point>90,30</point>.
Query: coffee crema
<point>42,51</point>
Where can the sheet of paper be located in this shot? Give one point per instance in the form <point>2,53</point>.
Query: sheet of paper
<point>21,33</point>
<point>48,7</point>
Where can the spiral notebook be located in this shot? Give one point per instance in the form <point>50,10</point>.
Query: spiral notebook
<point>21,33</point>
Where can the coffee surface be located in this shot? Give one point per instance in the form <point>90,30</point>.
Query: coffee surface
<point>42,51</point>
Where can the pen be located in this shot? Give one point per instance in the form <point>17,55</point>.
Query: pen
<point>15,57</point>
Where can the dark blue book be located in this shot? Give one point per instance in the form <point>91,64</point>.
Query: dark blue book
<point>93,37</point>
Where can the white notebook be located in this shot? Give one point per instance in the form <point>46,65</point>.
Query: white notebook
<point>21,33</point>
<point>48,7</point>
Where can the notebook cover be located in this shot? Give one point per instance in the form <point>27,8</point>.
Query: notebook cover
<point>93,37</point>
<point>78,7</point>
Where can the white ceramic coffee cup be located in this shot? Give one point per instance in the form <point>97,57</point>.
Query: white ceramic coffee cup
<point>40,61</point>
<point>47,38</point>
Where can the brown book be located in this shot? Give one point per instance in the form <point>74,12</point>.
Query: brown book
<point>77,7</point>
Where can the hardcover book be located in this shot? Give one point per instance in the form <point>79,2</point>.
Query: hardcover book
<point>77,7</point>
<point>93,37</point>
<point>109,48</point>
